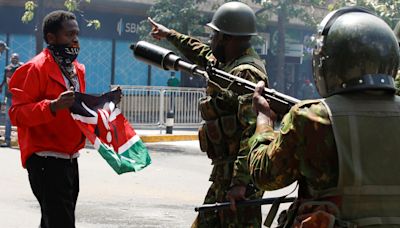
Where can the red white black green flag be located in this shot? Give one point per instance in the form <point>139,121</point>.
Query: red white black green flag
<point>109,131</point>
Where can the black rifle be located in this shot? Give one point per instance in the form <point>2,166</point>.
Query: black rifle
<point>244,203</point>
<point>168,60</point>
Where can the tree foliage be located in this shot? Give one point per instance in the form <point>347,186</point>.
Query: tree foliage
<point>183,16</point>
<point>285,10</point>
<point>299,9</point>
<point>388,10</point>
<point>186,17</point>
<point>70,5</point>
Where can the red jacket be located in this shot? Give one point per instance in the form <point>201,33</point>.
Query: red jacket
<point>33,86</point>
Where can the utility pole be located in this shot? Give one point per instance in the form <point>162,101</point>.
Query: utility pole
<point>38,27</point>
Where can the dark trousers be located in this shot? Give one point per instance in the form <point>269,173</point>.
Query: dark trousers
<point>55,184</point>
<point>7,124</point>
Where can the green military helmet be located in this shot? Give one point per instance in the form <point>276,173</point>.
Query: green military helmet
<point>356,50</point>
<point>234,18</point>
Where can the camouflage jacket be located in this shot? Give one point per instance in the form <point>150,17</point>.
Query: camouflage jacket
<point>304,149</point>
<point>200,54</point>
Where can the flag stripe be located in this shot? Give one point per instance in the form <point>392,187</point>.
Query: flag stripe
<point>103,115</point>
<point>134,159</point>
<point>84,119</point>
<point>128,144</point>
<point>114,114</point>
<point>97,143</point>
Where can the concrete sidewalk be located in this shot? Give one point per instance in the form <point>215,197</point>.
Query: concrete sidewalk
<point>147,135</point>
<point>159,135</point>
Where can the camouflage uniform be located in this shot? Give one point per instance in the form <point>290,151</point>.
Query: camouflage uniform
<point>343,149</point>
<point>305,150</point>
<point>230,121</point>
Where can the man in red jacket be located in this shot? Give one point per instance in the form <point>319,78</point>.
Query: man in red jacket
<point>42,92</point>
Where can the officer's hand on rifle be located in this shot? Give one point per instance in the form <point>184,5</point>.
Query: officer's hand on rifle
<point>265,115</point>
<point>236,193</point>
<point>158,31</point>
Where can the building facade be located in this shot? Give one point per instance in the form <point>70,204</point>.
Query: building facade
<point>106,53</point>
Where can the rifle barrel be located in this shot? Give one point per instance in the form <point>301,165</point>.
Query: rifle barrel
<point>245,203</point>
<point>168,60</point>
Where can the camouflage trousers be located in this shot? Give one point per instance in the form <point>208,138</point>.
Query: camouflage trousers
<point>244,217</point>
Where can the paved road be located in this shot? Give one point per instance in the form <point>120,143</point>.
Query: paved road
<point>162,195</point>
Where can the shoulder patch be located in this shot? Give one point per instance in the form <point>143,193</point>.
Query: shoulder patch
<point>311,110</point>
<point>247,66</point>
<point>307,103</point>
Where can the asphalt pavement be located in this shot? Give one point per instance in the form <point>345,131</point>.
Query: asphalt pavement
<point>162,195</point>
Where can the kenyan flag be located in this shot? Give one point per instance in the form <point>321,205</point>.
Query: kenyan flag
<point>110,133</point>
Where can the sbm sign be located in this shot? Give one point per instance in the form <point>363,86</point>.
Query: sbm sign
<point>127,27</point>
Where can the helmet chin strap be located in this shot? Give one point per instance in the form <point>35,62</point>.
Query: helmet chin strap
<point>368,81</point>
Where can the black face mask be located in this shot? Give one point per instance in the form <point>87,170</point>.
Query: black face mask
<point>64,53</point>
<point>218,52</point>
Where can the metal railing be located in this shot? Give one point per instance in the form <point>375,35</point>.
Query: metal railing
<point>147,106</point>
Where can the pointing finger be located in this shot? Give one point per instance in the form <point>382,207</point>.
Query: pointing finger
<point>152,22</point>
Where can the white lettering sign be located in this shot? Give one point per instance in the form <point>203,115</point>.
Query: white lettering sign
<point>127,27</point>
<point>131,27</point>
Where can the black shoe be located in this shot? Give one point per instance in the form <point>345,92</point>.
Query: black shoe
<point>5,145</point>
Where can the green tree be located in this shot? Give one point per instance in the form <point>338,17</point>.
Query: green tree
<point>286,10</point>
<point>388,10</point>
<point>181,15</point>
<point>184,16</point>
<point>38,6</point>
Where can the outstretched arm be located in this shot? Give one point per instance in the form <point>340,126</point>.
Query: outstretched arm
<point>192,48</point>
<point>158,31</point>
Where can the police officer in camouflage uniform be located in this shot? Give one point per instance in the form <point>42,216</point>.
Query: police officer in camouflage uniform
<point>229,119</point>
<point>342,149</point>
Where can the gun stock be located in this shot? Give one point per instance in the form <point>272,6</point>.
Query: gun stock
<point>168,60</point>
